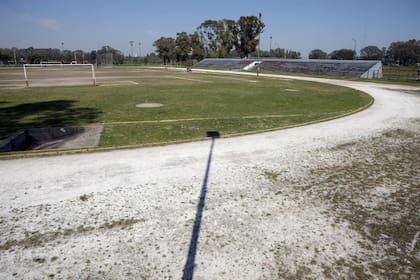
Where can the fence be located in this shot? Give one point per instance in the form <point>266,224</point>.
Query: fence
<point>402,73</point>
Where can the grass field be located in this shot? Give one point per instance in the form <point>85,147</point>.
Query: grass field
<point>192,104</point>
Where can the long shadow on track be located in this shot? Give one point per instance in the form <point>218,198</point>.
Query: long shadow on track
<point>189,264</point>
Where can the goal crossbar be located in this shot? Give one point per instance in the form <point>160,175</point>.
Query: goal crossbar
<point>25,66</point>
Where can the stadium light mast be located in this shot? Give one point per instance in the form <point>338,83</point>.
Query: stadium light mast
<point>131,51</point>
<point>271,39</point>
<point>139,49</point>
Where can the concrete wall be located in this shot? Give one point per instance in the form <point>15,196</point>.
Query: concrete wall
<point>16,142</point>
<point>375,72</point>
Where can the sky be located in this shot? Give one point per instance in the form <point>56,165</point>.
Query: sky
<point>300,25</point>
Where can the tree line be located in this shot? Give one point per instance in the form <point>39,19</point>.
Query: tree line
<point>37,55</point>
<point>227,38</point>
<point>213,38</point>
<point>398,53</point>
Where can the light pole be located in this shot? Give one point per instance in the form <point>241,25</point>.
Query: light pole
<point>14,55</point>
<point>131,51</point>
<point>271,38</point>
<point>354,40</point>
<point>139,49</point>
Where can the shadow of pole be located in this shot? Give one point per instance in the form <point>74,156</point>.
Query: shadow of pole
<point>189,264</point>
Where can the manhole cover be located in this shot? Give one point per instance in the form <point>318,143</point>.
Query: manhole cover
<point>149,105</point>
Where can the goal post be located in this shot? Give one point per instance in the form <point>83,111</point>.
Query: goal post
<point>52,74</point>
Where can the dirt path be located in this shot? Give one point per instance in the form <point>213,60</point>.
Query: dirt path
<point>320,201</point>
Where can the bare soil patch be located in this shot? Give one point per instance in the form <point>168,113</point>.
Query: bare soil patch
<point>373,186</point>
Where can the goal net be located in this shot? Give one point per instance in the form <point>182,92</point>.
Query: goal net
<point>51,74</point>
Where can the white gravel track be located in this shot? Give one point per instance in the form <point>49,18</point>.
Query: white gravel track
<point>159,188</point>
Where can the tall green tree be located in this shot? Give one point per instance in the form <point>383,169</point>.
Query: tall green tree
<point>278,52</point>
<point>405,53</point>
<point>217,37</point>
<point>317,54</point>
<point>246,33</point>
<point>293,54</point>
<point>343,54</point>
<point>117,55</point>
<point>197,47</point>
<point>165,47</point>
<point>371,53</point>
<point>6,55</point>
<point>182,46</point>
<point>92,56</point>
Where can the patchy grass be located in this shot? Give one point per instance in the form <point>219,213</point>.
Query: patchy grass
<point>378,192</point>
<point>38,239</point>
<point>371,186</point>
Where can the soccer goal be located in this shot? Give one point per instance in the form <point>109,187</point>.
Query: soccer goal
<point>52,74</point>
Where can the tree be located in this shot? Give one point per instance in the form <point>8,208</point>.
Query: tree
<point>152,58</point>
<point>246,32</point>
<point>225,36</point>
<point>343,54</point>
<point>6,55</point>
<point>216,36</point>
<point>278,52</point>
<point>371,53</point>
<point>165,47</point>
<point>182,46</point>
<point>405,53</point>
<point>207,32</point>
<point>197,47</point>
<point>66,56</point>
<point>317,54</point>
<point>117,55</point>
<point>92,57</point>
<point>271,53</point>
<point>293,54</point>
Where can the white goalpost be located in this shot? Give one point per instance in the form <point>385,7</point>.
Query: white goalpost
<point>53,74</point>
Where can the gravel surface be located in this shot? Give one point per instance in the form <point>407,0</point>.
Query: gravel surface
<point>337,199</point>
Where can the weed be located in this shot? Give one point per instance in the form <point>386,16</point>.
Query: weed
<point>84,197</point>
